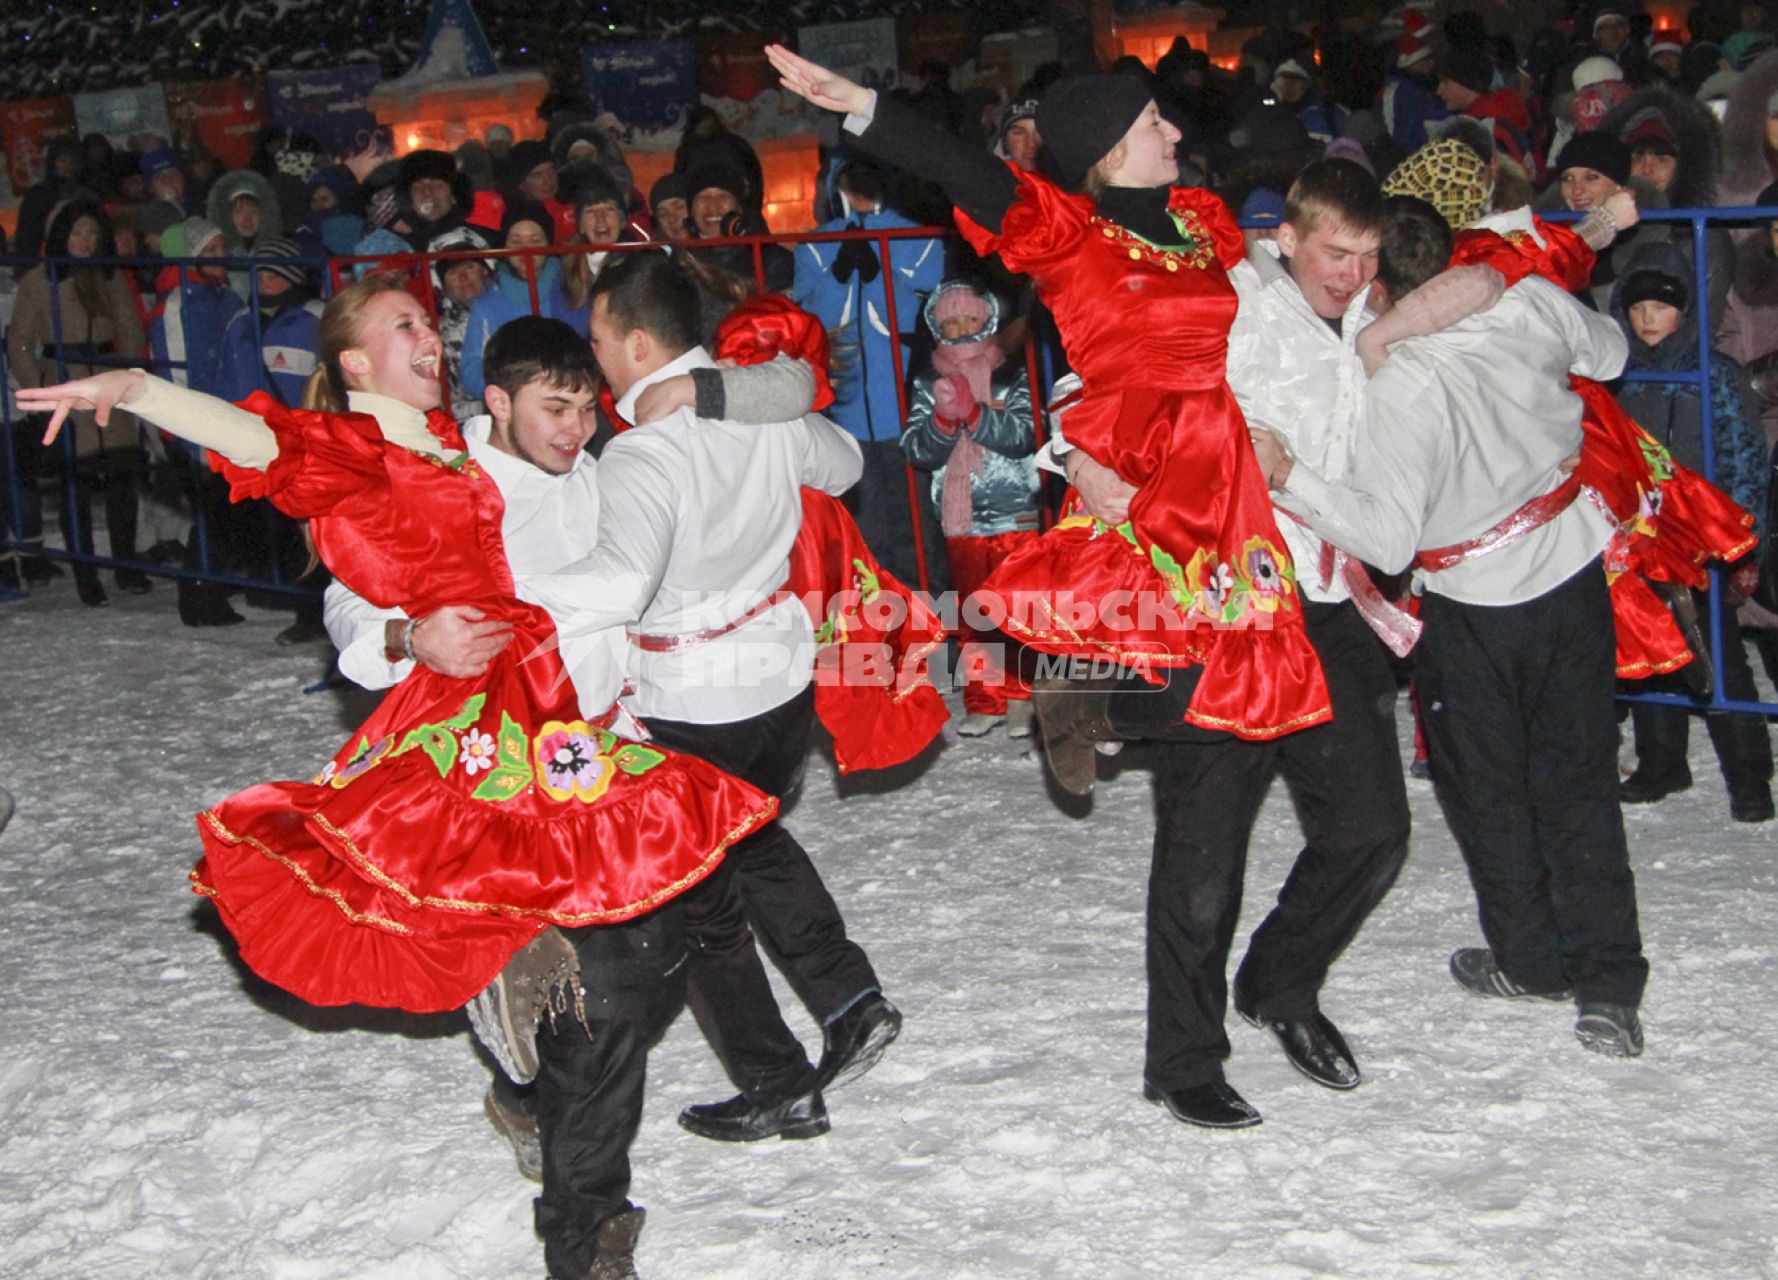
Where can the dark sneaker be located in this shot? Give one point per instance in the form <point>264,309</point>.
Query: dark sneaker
<point>518,1127</point>
<point>616,1256</point>
<point>1209,1106</point>
<point>1475,970</point>
<point>739,1120</point>
<point>856,1039</point>
<point>541,980</point>
<point>1611,1029</point>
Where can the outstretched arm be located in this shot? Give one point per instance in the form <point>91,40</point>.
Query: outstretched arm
<point>204,420</point>
<point>973,180</point>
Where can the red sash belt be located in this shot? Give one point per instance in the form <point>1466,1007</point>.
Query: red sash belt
<point>1534,514</point>
<point>684,640</point>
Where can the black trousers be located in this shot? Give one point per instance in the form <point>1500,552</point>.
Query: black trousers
<point>1517,707</point>
<point>1743,744</point>
<point>1346,781</point>
<point>779,890</point>
<point>590,1082</point>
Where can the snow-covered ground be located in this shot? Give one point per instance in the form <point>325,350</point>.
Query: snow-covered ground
<point>162,1114</point>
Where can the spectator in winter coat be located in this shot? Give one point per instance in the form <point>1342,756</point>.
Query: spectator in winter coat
<point>166,178</point>
<point>1749,331</point>
<point>188,335</point>
<point>969,423</point>
<point>94,313</point>
<point>1295,88</point>
<point>1672,142</point>
<point>719,208</point>
<point>61,183</point>
<point>242,204</point>
<point>844,284</point>
<point>457,285</point>
<point>1466,87</point>
<point>1654,302</point>
<point>1410,94</point>
<point>527,226</point>
<point>1750,135</point>
<point>531,175</point>
<point>437,195</point>
<point>669,204</point>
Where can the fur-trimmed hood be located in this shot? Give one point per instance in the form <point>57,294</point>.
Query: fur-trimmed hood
<point>1694,132</point>
<point>1745,169</point>
<point>222,197</point>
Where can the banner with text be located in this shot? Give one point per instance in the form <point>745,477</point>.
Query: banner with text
<point>221,116</point>
<point>328,103</point>
<point>642,89</point>
<point>28,128</point>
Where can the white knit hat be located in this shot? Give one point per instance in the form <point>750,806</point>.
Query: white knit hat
<point>1595,70</point>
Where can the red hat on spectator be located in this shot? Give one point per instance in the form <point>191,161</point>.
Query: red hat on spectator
<point>1411,49</point>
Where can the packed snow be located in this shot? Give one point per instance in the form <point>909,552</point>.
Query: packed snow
<point>164,1114</point>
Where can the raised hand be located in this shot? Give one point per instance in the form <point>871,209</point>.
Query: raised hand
<point>1621,205</point>
<point>98,393</point>
<point>815,83</point>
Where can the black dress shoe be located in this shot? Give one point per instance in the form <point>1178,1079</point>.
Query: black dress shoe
<point>1315,1047</point>
<point>1211,1106</point>
<point>856,1040</point>
<point>1643,787</point>
<point>739,1120</point>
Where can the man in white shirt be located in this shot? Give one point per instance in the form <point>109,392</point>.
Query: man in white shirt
<point>697,519</point>
<point>1293,366</point>
<point>588,1100</point>
<point>1460,466</point>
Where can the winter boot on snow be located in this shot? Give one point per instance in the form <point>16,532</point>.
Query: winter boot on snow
<point>1073,719</point>
<point>542,979</point>
<point>514,1116</point>
<point>616,1258</point>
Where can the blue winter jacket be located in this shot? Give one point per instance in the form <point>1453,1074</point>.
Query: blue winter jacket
<point>857,319</point>
<point>188,327</point>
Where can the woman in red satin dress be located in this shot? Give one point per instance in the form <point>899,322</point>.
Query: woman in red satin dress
<point>467,815</point>
<point>1135,273</point>
<point>1195,590</point>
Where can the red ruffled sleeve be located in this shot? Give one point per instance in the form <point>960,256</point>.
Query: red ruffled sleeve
<point>1041,234</point>
<point>1209,210</point>
<point>323,458</point>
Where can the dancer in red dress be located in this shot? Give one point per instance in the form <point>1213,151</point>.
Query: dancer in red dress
<point>466,815</point>
<point>1136,277</point>
<point>1196,591</point>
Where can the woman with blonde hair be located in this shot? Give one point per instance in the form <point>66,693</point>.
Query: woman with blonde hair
<point>467,814</point>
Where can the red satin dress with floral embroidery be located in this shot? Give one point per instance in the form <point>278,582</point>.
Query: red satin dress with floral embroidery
<point>466,815</point>
<point>1199,574</point>
<point>1671,521</point>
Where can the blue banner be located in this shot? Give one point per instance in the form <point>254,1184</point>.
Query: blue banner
<point>328,103</point>
<point>862,51</point>
<point>123,114</point>
<point>644,86</point>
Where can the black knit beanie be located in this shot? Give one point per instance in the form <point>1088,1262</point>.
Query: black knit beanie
<point>1598,151</point>
<point>1647,285</point>
<point>1470,68</point>
<point>1081,118</point>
